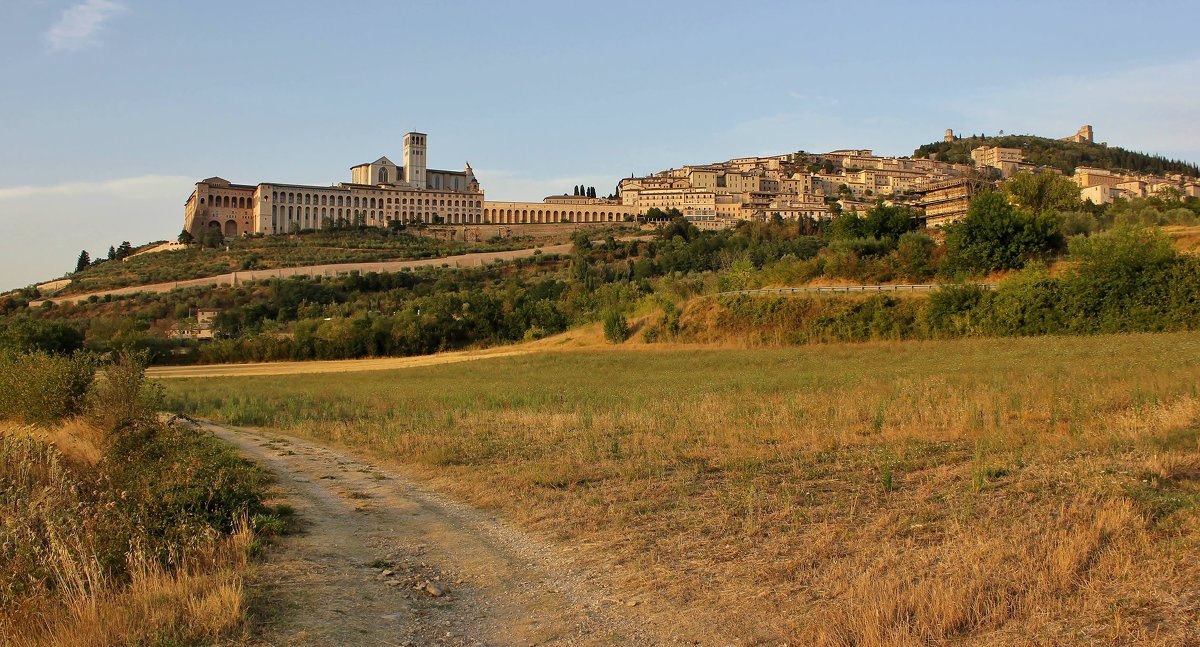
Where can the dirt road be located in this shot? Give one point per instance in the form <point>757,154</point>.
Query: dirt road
<point>380,561</point>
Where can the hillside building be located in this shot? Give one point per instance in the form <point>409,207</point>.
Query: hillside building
<point>1005,160</point>
<point>379,192</point>
<point>947,202</point>
<point>1082,136</point>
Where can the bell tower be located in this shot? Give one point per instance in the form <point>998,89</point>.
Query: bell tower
<point>414,159</point>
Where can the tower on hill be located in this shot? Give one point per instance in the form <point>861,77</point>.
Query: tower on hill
<point>414,159</point>
<point>1081,136</point>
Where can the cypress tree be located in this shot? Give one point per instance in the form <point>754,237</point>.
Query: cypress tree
<point>83,262</point>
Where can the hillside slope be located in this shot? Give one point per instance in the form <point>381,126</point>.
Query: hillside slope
<point>1063,155</point>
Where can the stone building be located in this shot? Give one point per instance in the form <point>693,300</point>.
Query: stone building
<point>1082,136</point>
<point>379,192</point>
<point>1005,160</point>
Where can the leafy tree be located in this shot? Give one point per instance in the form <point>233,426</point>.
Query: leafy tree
<point>212,237</point>
<point>679,226</point>
<point>84,261</point>
<point>1039,192</point>
<point>845,226</point>
<point>112,253</point>
<point>185,237</point>
<point>884,221</point>
<point>995,235</point>
<point>124,249</point>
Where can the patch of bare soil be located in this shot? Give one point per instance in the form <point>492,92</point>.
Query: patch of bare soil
<point>380,561</point>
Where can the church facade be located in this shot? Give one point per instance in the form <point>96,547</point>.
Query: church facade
<point>378,192</point>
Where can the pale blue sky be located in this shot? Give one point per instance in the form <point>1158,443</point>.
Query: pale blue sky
<point>111,109</point>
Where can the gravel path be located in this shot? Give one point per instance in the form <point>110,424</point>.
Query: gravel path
<point>380,561</point>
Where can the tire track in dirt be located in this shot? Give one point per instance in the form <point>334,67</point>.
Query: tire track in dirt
<point>370,541</point>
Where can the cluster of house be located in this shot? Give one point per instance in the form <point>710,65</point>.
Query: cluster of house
<point>715,196</point>
<point>712,196</point>
<point>1102,186</point>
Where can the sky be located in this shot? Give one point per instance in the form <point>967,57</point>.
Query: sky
<point>111,110</point>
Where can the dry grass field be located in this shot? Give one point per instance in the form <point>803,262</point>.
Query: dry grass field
<point>1001,491</point>
<point>77,601</point>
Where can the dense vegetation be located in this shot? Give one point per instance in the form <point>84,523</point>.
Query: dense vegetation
<point>1062,155</point>
<point>115,528</point>
<point>1129,280</point>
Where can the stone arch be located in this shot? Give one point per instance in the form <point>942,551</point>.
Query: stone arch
<point>231,229</point>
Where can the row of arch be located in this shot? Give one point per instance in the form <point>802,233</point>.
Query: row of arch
<point>229,230</point>
<point>366,203</point>
<point>232,202</point>
<point>507,216</point>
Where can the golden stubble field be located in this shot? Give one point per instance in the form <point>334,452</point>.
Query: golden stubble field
<point>1006,491</point>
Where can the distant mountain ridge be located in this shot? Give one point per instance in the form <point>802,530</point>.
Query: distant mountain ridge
<point>1060,154</point>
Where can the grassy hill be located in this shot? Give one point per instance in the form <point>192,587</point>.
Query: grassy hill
<point>365,245</point>
<point>1063,155</point>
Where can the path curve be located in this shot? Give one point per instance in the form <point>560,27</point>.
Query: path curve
<point>371,540</point>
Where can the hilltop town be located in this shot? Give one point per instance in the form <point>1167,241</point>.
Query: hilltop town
<point>710,196</point>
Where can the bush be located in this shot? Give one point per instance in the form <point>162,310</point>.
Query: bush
<point>153,495</point>
<point>50,336</point>
<point>616,329</point>
<point>41,388</point>
<point>121,395</point>
<point>914,256</point>
<point>953,310</point>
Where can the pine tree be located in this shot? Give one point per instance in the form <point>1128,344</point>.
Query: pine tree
<point>112,253</point>
<point>83,262</point>
<point>124,249</point>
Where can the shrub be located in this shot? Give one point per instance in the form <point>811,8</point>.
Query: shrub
<point>121,394</point>
<point>952,310</point>
<point>41,388</point>
<point>914,255</point>
<point>49,336</point>
<point>616,329</point>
